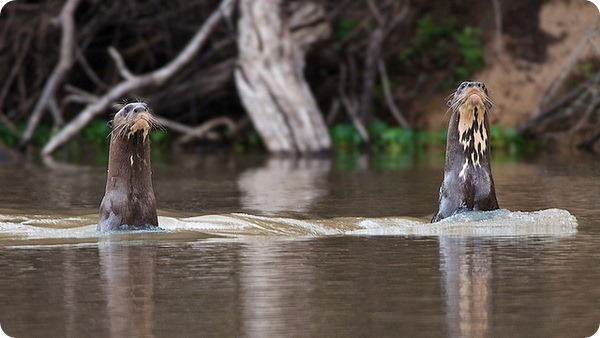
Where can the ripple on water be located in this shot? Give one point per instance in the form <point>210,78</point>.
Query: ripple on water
<point>551,222</point>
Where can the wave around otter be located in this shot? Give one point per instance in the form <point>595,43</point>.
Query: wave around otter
<point>40,230</point>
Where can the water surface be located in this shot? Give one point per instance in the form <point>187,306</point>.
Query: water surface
<point>269,247</point>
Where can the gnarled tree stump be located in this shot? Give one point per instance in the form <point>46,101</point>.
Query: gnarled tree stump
<point>273,38</point>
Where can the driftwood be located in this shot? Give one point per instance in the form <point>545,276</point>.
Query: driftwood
<point>134,82</point>
<point>269,75</point>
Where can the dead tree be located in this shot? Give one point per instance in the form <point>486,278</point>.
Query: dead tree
<point>273,39</point>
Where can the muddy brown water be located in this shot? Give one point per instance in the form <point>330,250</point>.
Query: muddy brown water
<point>264,247</point>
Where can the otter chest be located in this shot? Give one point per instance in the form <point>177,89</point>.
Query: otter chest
<point>472,135</point>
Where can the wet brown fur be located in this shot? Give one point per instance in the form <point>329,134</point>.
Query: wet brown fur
<point>468,183</point>
<point>129,202</point>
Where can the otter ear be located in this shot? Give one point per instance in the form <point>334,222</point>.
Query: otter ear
<point>110,124</point>
<point>449,103</point>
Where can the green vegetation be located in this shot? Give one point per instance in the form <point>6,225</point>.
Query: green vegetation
<point>249,142</point>
<point>440,45</point>
<point>393,140</point>
<point>344,27</point>
<point>345,138</point>
<point>587,70</point>
<point>385,140</point>
<point>93,141</point>
<point>471,52</point>
<point>8,137</point>
<point>97,133</point>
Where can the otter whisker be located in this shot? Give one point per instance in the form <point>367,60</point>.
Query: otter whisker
<point>116,131</point>
<point>456,104</point>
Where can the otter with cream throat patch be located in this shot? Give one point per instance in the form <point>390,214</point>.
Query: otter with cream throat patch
<point>468,183</point>
<point>129,202</point>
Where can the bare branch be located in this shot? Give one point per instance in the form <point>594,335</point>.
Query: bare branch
<point>351,107</point>
<point>590,108</point>
<point>376,13</point>
<point>121,67</point>
<point>88,70</point>
<point>588,144</point>
<point>389,98</point>
<point>567,69</point>
<point>374,54</point>
<point>203,130</point>
<point>498,23</point>
<point>554,109</point>
<point>64,64</point>
<point>154,78</point>
<point>78,95</point>
<point>16,66</point>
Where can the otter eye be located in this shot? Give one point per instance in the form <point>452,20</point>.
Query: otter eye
<point>110,124</point>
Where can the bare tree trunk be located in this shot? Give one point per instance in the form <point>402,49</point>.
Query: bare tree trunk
<point>269,75</point>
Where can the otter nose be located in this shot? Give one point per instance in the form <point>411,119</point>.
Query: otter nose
<point>139,107</point>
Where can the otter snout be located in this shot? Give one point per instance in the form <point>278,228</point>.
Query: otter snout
<point>475,99</point>
<point>142,123</point>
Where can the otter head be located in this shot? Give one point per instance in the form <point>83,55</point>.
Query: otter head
<point>471,103</point>
<point>129,202</point>
<point>131,119</point>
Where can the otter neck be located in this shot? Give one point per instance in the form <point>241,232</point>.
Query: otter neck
<point>471,130</point>
<point>129,161</point>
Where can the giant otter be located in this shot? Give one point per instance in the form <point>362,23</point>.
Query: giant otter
<point>129,201</point>
<point>468,182</point>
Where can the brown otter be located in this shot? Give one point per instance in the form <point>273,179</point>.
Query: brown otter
<point>468,182</point>
<point>129,201</point>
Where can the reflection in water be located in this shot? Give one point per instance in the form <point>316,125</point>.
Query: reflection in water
<point>467,275</point>
<point>284,185</point>
<point>69,289</point>
<point>128,272</point>
<point>275,291</point>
